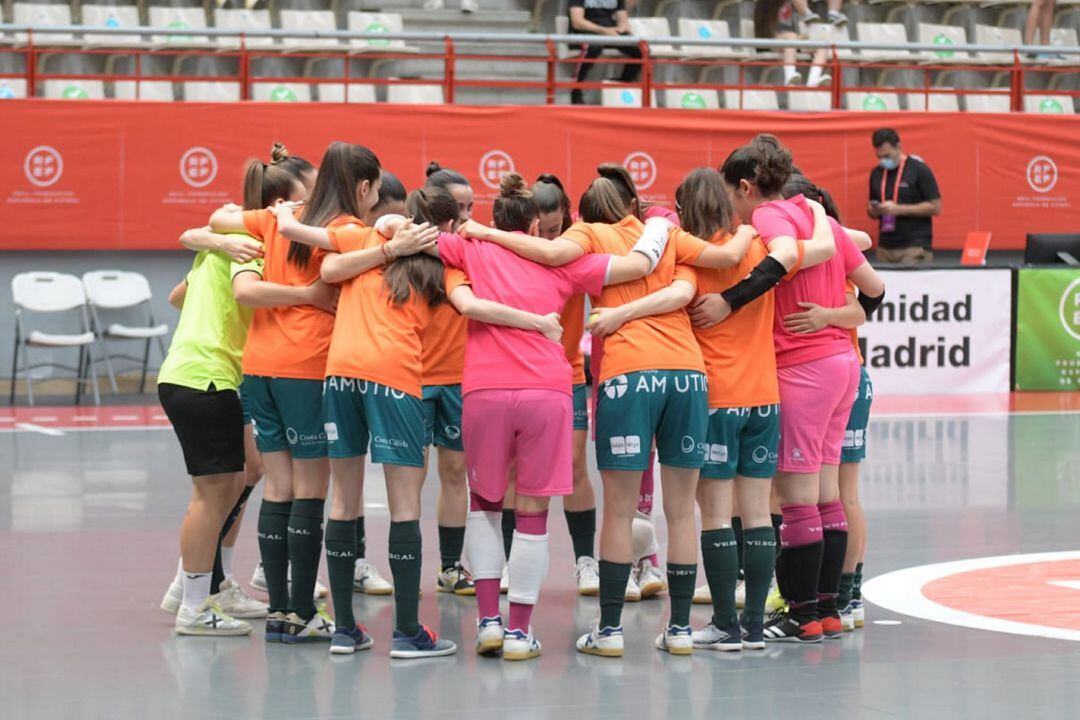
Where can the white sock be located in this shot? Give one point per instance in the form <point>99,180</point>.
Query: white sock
<point>196,589</point>
<point>226,561</point>
<point>484,544</point>
<point>528,567</point>
<point>643,537</point>
<point>179,579</point>
<point>816,71</point>
<point>789,72</point>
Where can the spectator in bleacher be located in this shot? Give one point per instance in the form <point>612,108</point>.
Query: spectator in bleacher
<point>467,6</point>
<point>809,17</point>
<point>1040,19</point>
<point>904,196</point>
<point>777,19</point>
<point>601,17</point>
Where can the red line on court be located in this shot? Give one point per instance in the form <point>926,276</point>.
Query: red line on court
<point>1018,593</point>
<point>80,416</point>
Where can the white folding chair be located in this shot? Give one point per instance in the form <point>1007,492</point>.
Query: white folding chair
<point>117,290</point>
<point>51,292</point>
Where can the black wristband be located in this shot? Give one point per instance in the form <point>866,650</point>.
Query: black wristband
<point>870,304</point>
<point>761,280</point>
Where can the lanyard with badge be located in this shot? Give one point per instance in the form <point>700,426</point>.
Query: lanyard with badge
<point>888,222</point>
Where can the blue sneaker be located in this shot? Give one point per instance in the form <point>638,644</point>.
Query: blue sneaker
<point>423,644</point>
<point>348,640</point>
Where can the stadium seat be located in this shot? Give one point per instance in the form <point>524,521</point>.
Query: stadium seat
<point>831,33</point>
<point>307,20</point>
<point>944,36</point>
<point>751,100</point>
<point>989,35</point>
<point>280,92</point>
<point>211,91</point>
<point>692,99</point>
<point>987,103</point>
<point>44,16</point>
<point>623,97</point>
<point>892,33</point>
<point>157,90</point>
<point>705,30</point>
<point>415,94</point>
<point>873,101</point>
<point>335,92</point>
<point>1049,104</point>
<point>240,20</point>
<point>178,19</point>
<point>806,101</point>
<point>939,102</point>
<point>75,89</point>
<point>112,16</point>
<point>655,27</point>
<point>1065,37</point>
<point>12,89</point>
<point>370,22</point>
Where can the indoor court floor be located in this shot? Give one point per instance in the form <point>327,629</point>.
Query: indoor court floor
<point>90,502</point>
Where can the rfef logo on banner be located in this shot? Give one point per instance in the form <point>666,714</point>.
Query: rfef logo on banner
<point>493,165</point>
<point>1070,309</point>
<point>642,169</point>
<point>1048,329</point>
<point>43,166</point>
<point>198,167</point>
<point>1042,173</point>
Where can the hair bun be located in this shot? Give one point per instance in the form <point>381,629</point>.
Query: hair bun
<point>513,185</point>
<point>432,168</point>
<point>550,180</point>
<point>278,153</point>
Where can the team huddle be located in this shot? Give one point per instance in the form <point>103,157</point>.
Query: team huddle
<point>334,315</point>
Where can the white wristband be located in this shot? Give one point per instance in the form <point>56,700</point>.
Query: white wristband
<point>653,240</point>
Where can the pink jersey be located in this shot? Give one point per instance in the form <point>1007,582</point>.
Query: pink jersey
<point>504,357</point>
<point>822,284</point>
<point>661,211</point>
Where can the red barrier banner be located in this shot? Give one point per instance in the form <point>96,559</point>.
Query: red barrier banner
<point>117,175</point>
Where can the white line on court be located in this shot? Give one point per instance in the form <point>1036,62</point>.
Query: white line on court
<point>31,427</point>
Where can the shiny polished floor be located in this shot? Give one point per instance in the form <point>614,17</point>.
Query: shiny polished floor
<point>88,525</point>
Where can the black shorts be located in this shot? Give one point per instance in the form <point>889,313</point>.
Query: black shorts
<point>210,426</point>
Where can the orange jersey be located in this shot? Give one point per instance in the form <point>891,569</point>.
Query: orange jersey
<point>739,353</point>
<point>374,339</point>
<point>852,290</point>
<point>657,342</point>
<point>290,341</point>
<point>573,322</point>
<point>444,346</point>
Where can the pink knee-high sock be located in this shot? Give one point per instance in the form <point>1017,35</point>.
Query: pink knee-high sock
<point>833,516</point>
<point>487,598</point>
<point>648,482</point>
<point>802,525</point>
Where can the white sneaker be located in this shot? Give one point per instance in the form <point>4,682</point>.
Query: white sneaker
<point>208,620</point>
<point>234,601</point>
<point>605,642</point>
<point>469,6</point>
<point>434,5</point>
<point>504,581</point>
<point>319,628</point>
<point>588,576</point>
<point>489,635</point>
<point>174,597</point>
<point>455,579</point>
<point>633,592</point>
<point>676,640</point>
<point>702,595</point>
<point>650,579</point>
<point>258,581</point>
<point>711,637</point>
<point>519,645</point>
<point>367,580</point>
<point>740,594</point>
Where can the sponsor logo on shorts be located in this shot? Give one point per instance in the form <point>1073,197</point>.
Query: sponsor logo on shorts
<point>615,387</point>
<point>254,427</point>
<point>389,443</point>
<point>762,454</point>
<point>331,431</point>
<point>344,384</point>
<point>296,438</point>
<point>717,453</point>
<point>655,382</point>
<point>453,432</point>
<point>626,445</point>
<point>688,444</point>
<point>292,436</point>
<point>854,438</point>
<point>739,412</point>
<point>796,454</point>
<point>767,410</point>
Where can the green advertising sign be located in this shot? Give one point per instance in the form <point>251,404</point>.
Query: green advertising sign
<point>1048,329</point>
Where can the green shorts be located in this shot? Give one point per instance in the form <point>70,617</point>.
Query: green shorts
<point>742,441</point>
<point>361,411</point>
<point>671,406</point>
<point>581,407</point>
<point>286,414</point>
<point>854,448</point>
<point>244,405</point>
<point>442,416</point>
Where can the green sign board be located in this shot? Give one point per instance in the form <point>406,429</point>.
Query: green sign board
<point>1048,329</point>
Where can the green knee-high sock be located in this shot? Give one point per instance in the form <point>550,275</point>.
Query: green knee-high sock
<point>856,587</point>
<point>361,539</point>
<point>736,525</point>
<point>582,527</point>
<point>305,547</point>
<point>451,543</point>
<point>613,579</point>
<point>759,559</point>
<point>340,564</point>
<point>509,523</point>
<point>274,551</point>
<point>405,548</point>
<point>847,584</point>
<point>681,580</point>
<point>721,562</point>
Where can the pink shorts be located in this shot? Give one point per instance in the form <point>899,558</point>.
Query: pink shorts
<point>532,429</point>
<point>815,402</point>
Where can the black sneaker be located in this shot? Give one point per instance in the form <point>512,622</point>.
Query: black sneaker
<point>784,628</point>
<point>275,627</point>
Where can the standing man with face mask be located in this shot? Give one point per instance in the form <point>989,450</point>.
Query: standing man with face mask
<point>904,196</point>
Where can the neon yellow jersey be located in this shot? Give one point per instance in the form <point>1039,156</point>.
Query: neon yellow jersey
<point>208,344</point>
